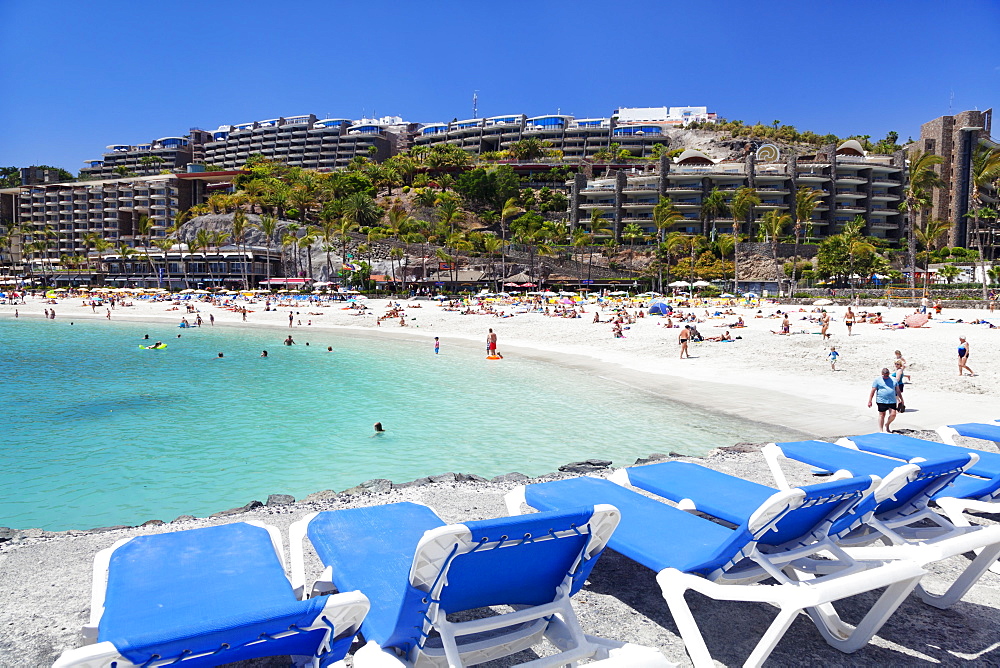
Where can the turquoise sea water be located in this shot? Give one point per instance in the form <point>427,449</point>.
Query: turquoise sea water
<point>97,432</point>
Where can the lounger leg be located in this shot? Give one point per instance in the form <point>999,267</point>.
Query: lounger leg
<point>694,643</point>
<point>769,640</point>
<point>987,560</point>
<point>955,509</point>
<point>848,639</point>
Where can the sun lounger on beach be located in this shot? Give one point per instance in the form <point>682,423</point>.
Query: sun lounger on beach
<point>902,516</point>
<point>206,597</point>
<point>985,432</point>
<point>780,539</point>
<point>417,571</point>
<point>978,489</point>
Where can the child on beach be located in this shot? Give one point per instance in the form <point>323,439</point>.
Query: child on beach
<point>437,345</point>
<point>832,356</point>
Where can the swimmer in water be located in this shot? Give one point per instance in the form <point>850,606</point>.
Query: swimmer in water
<point>263,353</point>
<point>378,430</point>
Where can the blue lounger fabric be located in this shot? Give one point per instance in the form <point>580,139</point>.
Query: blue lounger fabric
<point>987,432</point>
<point>981,479</point>
<point>934,472</point>
<point>907,447</point>
<point>734,499</point>
<point>652,533</point>
<point>193,591</point>
<point>372,549</point>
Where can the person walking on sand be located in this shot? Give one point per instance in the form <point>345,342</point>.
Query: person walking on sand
<point>963,357</point>
<point>290,319</point>
<point>886,395</point>
<point>849,320</point>
<point>437,345</point>
<point>898,375</point>
<point>832,356</point>
<point>824,321</point>
<point>682,339</point>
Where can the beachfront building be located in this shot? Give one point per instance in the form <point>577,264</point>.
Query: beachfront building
<point>62,219</point>
<point>165,153</point>
<point>305,141</point>
<point>955,138</point>
<point>227,266</point>
<point>637,130</point>
<point>850,183</point>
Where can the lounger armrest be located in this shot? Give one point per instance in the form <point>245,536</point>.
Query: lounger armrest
<point>345,612</point>
<point>296,538</point>
<point>514,500</point>
<point>91,656</point>
<point>948,434</point>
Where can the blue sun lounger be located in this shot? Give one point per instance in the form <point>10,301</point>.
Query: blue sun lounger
<point>977,490</point>
<point>417,570</point>
<point>902,515</point>
<point>779,540</point>
<point>206,597</point>
<point>986,432</point>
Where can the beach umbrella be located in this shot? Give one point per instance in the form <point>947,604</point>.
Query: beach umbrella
<point>679,284</point>
<point>621,293</point>
<point>750,295</point>
<point>187,291</point>
<point>440,298</point>
<point>701,284</point>
<point>822,302</point>
<point>566,300</point>
<point>916,320</point>
<point>726,295</point>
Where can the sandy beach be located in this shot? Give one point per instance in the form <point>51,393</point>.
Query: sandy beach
<point>771,378</point>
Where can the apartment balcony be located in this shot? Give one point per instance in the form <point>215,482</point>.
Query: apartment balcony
<point>850,208</point>
<point>685,188</point>
<point>851,178</point>
<point>771,205</point>
<point>777,190</point>
<point>687,205</point>
<point>850,194</point>
<point>879,180</point>
<point>884,211</point>
<point>598,189</point>
<point>883,224</point>
<point>638,205</point>
<point>885,197</point>
<point>642,187</point>
<point>811,177</point>
<point>597,205</point>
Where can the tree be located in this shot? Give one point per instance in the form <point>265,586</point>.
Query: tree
<point>772,225</point>
<point>488,188</point>
<point>362,209</point>
<point>805,204</point>
<point>922,179</point>
<point>712,206</point>
<point>665,216</point>
<point>164,244</point>
<point>948,272</point>
<point>509,210</point>
<point>239,230</point>
<point>268,226</point>
<point>985,171</point>
<point>144,231</point>
<point>928,236</point>
<point>449,212</point>
<point>742,207</point>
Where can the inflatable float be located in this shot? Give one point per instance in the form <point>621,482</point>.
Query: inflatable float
<point>160,347</point>
<point>494,357</point>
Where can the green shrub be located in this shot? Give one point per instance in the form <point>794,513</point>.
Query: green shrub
<point>802,295</point>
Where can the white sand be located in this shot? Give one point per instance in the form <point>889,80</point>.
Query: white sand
<point>45,578</point>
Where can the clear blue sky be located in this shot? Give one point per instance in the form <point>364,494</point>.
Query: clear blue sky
<point>78,76</point>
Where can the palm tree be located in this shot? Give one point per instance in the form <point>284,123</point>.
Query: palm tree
<point>203,242</point>
<point>288,241</point>
<point>726,243</point>
<point>948,272</point>
<point>855,244</point>
<point>165,244</point>
<point>268,226</point>
<point>448,212</point>
<point>742,206</point>
<point>344,229</point>
<point>239,229</point>
<point>362,209</point>
<point>928,236</point>
<point>712,206</point>
<point>665,216</point>
<point>805,204</point>
<point>509,210</point>
<point>144,231</point>
<point>772,224</point>
<point>985,170</point>
<point>672,245</point>
<point>922,180</point>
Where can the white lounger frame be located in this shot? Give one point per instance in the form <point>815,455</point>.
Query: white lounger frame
<point>555,621</point>
<point>344,611</point>
<point>801,588</point>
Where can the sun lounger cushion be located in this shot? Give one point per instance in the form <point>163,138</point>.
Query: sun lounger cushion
<point>371,550</point>
<point>652,533</point>
<point>734,499</point>
<point>166,594</point>
<point>907,447</point>
<point>987,432</point>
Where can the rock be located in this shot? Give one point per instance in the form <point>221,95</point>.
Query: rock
<point>419,482</point>
<point>318,497</point>
<point>510,477</point>
<point>280,500</point>
<point>152,523</point>
<point>184,518</point>
<point>444,477</point>
<point>587,466</point>
<point>236,511</point>
<point>470,477</point>
<point>654,457</point>
<point>6,533</point>
<point>114,528</point>
<point>376,486</point>
<point>742,447</point>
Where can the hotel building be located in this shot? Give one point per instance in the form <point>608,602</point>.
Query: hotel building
<point>849,184</point>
